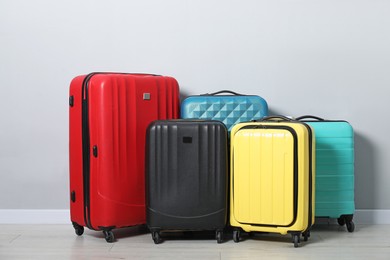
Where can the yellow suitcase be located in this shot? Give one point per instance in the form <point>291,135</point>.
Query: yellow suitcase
<point>272,178</point>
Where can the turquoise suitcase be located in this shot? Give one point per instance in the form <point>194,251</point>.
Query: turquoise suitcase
<point>230,108</point>
<point>334,197</point>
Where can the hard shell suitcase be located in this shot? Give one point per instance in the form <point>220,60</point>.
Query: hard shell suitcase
<point>272,178</point>
<point>108,117</point>
<point>334,169</point>
<point>229,109</point>
<point>186,177</point>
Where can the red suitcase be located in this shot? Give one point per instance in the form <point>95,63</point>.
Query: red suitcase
<point>108,117</point>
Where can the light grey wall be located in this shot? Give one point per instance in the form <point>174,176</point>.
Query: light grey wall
<point>328,58</point>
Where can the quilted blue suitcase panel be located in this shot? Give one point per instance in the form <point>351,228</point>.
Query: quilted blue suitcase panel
<point>229,109</point>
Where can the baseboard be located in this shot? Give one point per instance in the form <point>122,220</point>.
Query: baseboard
<point>368,216</point>
<point>62,216</point>
<point>34,216</point>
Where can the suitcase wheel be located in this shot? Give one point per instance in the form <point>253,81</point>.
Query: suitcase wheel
<point>236,235</point>
<point>306,235</point>
<point>156,237</point>
<point>219,236</point>
<point>296,239</point>
<point>109,236</point>
<point>346,220</point>
<point>350,226</point>
<point>341,221</point>
<point>79,230</point>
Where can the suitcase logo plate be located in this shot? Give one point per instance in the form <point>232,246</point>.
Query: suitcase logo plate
<point>146,96</point>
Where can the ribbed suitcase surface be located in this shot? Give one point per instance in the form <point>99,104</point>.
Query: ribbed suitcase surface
<point>334,169</point>
<point>186,175</point>
<point>229,109</point>
<point>109,114</point>
<point>272,177</point>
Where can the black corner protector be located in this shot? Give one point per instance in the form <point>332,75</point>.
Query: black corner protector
<point>95,151</point>
<point>73,196</point>
<point>71,101</point>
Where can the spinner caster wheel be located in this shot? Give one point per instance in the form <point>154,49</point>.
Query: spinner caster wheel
<point>109,236</point>
<point>350,226</point>
<point>306,235</point>
<point>341,221</point>
<point>236,236</point>
<point>156,237</point>
<point>219,236</point>
<point>79,230</point>
<point>296,239</point>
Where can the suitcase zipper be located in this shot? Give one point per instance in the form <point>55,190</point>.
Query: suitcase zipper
<point>86,150</point>
<point>310,175</point>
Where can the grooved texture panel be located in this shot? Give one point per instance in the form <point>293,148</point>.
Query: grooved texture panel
<point>334,168</point>
<point>186,174</point>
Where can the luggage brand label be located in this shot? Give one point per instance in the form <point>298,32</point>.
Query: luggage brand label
<point>187,139</point>
<point>146,96</point>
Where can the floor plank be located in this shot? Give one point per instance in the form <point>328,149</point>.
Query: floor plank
<point>327,241</point>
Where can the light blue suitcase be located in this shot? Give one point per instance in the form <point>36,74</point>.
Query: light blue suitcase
<point>230,108</point>
<point>334,196</point>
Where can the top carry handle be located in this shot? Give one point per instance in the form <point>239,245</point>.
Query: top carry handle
<point>223,91</point>
<point>278,118</point>
<point>310,117</point>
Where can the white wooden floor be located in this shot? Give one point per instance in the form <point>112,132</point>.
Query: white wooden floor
<point>327,241</point>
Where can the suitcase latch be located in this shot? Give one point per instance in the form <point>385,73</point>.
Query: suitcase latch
<point>73,196</point>
<point>95,151</point>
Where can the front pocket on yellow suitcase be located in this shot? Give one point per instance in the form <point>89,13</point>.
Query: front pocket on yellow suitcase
<point>264,172</point>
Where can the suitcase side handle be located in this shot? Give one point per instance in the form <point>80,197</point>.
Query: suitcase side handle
<point>222,91</point>
<point>277,118</point>
<point>310,117</point>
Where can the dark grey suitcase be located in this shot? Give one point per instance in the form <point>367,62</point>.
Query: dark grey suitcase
<point>186,176</point>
